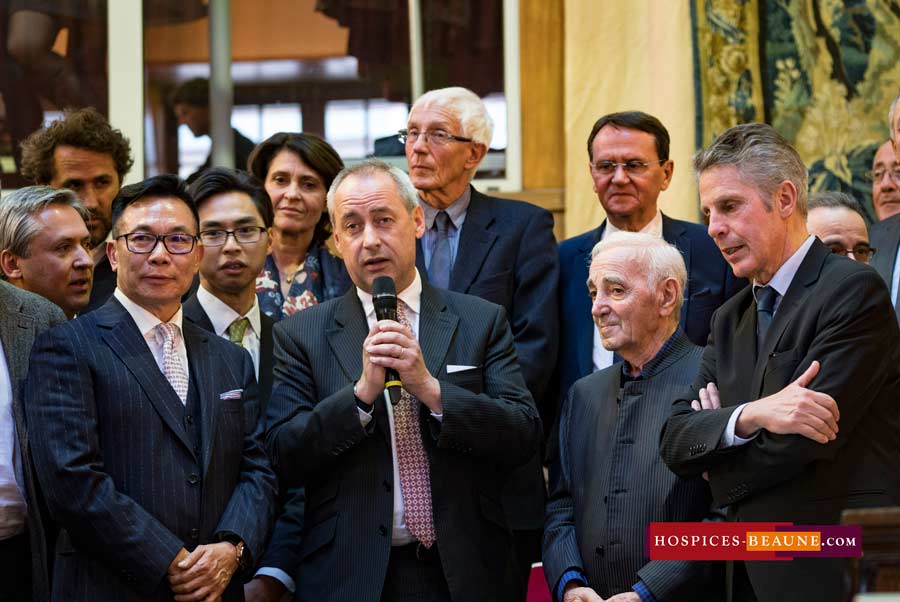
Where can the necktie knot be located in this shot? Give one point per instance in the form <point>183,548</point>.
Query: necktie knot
<point>442,222</point>
<point>169,332</point>
<point>237,329</point>
<point>765,299</point>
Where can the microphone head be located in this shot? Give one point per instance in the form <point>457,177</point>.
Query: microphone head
<point>384,297</point>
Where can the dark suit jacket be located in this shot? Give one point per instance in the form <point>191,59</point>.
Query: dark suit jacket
<point>116,462</point>
<point>284,547</point>
<point>710,283</point>
<point>609,485</point>
<point>836,311</point>
<point>885,238</point>
<point>24,316</point>
<point>103,287</point>
<point>315,438</point>
<point>507,255</point>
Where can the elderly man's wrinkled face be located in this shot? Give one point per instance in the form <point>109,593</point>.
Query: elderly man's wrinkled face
<point>627,310</point>
<point>885,188</point>
<point>440,172</point>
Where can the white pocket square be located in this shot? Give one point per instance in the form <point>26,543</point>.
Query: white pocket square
<point>233,394</point>
<point>451,368</point>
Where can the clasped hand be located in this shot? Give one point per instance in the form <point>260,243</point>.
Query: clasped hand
<point>203,575</point>
<point>392,345</point>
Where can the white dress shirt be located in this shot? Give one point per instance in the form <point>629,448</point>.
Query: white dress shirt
<point>222,316</point>
<point>147,322</point>
<point>601,356</point>
<point>13,508</point>
<point>895,282</point>
<point>781,281</point>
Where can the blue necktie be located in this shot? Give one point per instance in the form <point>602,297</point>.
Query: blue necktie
<point>439,268</point>
<point>765,309</point>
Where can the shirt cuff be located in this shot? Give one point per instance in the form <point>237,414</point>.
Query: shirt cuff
<point>569,576</point>
<point>279,575</point>
<point>729,438</point>
<point>438,417</point>
<point>640,588</point>
<point>365,417</point>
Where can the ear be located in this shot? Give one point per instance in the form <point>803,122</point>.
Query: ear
<point>668,170</point>
<point>784,200</point>
<point>418,216</point>
<point>476,154</point>
<point>668,292</point>
<point>9,264</point>
<point>112,255</point>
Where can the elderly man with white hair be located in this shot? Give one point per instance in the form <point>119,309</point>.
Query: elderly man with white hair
<point>607,481</point>
<point>886,233</point>
<point>497,249</point>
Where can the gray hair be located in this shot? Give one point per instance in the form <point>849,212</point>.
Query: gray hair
<point>836,200</point>
<point>762,156</point>
<point>18,225</point>
<point>467,107</point>
<point>891,116</point>
<point>371,167</point>
<point>660,260</point>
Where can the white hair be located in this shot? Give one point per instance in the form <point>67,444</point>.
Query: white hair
<point>659,260</point>
<point>891,116</point>
<point>467,107</point>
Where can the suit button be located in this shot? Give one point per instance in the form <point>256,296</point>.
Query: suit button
<point>189,419</point>
<point>193,478</point>
<point>386,485</point>
<point>599,550</point>
<point>382,530</point>
<point>195,533</point>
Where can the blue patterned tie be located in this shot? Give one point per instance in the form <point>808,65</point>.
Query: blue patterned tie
<point>765,309</point>
<point>439,268</point>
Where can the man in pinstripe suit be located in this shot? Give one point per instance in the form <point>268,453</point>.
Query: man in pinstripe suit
<point>403,503</point>
<point>145,428</point>
<point>608,484</point>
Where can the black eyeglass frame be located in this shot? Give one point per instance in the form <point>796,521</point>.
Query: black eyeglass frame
<point>159,237</point>
<point>258,229</point>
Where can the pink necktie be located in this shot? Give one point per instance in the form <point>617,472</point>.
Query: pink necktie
<point>415,479</point>
<point>173,369</point>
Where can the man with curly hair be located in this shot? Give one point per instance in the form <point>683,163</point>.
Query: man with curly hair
<point>84,153</point>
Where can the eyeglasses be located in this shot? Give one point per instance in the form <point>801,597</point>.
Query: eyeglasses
<point>244,235</point>
<point>632,168</point>
<point>876,175</point>
<point>143,243</point>
<point>439,137</point>
<point>862,253</point>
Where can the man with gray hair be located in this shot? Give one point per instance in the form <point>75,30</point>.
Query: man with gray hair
<point>799,381</point>
<point>402,501</point>
<point>837,219</point>
<point>45,245</point>
<point>886,233</point>
<point>497,249</point>
<point>607,481</point>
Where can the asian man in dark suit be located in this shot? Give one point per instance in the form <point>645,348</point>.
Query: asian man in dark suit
<point>235,214</point>
<point>630,167</point>
<point>145,428</point>
<point>403,502</point>
<point>23,548</point>
<point>800,380</point>
<point>497,249</point>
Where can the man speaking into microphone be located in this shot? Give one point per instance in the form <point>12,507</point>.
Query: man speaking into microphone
<point>402,501</point>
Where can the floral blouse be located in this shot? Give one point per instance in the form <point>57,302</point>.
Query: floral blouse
<point>307,288</point>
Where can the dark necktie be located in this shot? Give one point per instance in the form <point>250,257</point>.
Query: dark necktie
<point>765,308</point>
<point>439,268</point>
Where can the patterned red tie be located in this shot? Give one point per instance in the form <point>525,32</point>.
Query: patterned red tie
<point>415,479</point>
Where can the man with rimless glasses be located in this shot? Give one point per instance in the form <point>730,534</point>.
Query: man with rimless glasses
<point>145,428</point>
<point>628,157</point>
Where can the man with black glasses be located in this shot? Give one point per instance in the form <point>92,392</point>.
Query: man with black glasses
<point>145,428</point>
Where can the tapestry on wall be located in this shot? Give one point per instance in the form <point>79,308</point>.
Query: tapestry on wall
<point>822,72</point>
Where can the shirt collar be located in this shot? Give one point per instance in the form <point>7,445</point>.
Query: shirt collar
<point>144,319</point>
<point>785,274</point>
<point>654,226</point>
<point>456,211</point>
<point>411,295</point>
<point>222,316</point>
<point>654,362</point>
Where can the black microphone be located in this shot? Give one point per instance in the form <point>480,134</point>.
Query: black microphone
<point>384,296</point>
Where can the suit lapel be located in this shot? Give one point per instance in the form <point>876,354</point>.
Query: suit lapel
<point>120,332</point>
<point>792,303</point>
<point>436,329</point>
<point>585,332</point>
<point>194,312</point>
<point>17,334</point>
<point>200,359</point>
<point>475,241</point>
<point>348,333</point>
<point>266,357</point>
<point>420,260</point>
